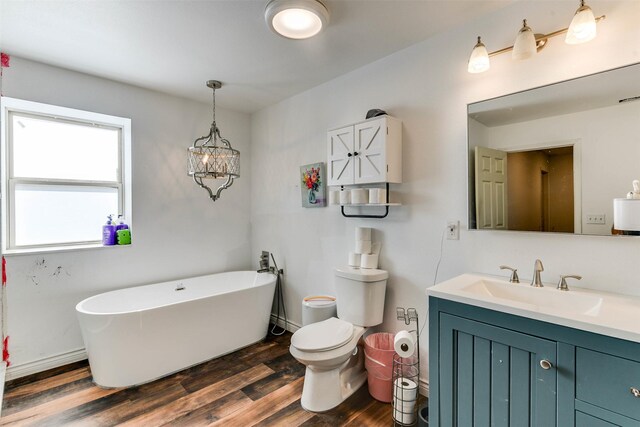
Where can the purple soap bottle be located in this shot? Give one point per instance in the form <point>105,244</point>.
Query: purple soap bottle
<point>121,225</point>
<point>109,232</point>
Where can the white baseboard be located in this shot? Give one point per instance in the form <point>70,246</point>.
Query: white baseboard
<point>292,327</point>
<point>17,371</point>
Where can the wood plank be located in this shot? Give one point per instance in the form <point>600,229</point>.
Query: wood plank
<point>291,415</point>
<point>376,414</point>
<point>138,401</point>
<point>44,384</point>
<point>263,408</point>
<point>199,398</point>
<point>286,370</point>
<point>18,382</point>
<point>211,412</point>
<point>25,402</point>
<point>36,413</point>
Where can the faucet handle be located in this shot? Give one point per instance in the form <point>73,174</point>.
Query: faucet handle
<point>562,284</point>
<point>514,273</point>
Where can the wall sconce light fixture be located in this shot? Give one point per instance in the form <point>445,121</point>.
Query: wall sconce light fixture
<point>527,44</point>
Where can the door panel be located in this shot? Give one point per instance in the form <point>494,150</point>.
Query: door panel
<point>371,162</point>
<point>340,166</point>
<point>491,376</point>
<point>491,188</point>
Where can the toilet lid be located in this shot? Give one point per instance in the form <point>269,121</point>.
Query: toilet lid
<point>326,335</point>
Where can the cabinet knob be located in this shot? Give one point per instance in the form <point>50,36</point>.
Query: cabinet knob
<point>545,364</point>
<point>635,392</point>
<point>355,153</point>
<point>349,154</point>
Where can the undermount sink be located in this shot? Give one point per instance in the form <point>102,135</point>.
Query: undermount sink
<point>538,298</point>
<point>594,311</point>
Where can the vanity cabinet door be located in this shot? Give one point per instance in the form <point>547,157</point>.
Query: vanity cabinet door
<point>490,376</point>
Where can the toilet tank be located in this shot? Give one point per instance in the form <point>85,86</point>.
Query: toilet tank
<point>360,295</point>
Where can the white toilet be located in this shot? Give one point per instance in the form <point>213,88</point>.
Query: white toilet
<point>329,349</point>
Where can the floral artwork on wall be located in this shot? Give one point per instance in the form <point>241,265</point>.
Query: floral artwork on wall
<point>313,188</point>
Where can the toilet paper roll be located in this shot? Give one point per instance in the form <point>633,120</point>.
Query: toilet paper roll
<point>404,344</point>
<point>363,246</point>
<point>354,259</point>
<point>363,233</point>
<point>405,394</point>
<point>359,196</point>
<point>382,195</point>
<point>334,197</point>
<point>369,261</point>
<point>374,195</point>
<point>345,197</point>
<point>376,247</point>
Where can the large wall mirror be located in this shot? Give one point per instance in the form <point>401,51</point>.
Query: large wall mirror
<point>553,158</point>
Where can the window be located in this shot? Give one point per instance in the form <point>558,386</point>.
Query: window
<point>63,172</point>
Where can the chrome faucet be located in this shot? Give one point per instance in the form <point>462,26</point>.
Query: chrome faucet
<point>514,273</point>
<point>562,284</point>
<point>536,281</point>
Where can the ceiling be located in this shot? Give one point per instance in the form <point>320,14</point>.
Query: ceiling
<point>175,46</point>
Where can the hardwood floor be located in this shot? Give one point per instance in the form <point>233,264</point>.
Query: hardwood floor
<point>259,385</point>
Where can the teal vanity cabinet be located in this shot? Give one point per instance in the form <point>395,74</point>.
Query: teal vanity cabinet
<point>489,368</point>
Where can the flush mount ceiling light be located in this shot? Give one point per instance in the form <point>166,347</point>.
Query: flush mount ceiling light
<point>296,19</point>
<point>527,44</point>
<point>211,156</point>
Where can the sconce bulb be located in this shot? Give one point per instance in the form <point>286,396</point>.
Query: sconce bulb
<point>479,59</point>
<point>583,26</point>
<point>525,44</point>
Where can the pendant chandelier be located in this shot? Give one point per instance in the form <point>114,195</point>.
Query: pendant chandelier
<point>211,156</point>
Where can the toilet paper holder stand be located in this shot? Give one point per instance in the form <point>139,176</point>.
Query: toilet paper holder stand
<point>406,376</point>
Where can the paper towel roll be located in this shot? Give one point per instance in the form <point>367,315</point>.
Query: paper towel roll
<point>345,197</point>
<point>369,261</point>
<point>354,259</point>
<point>334,197</point>
<point>363,233</point>
<point>359,196</point>
<point>404,344</point>
<point>363,246</point>
<point>374,195</point>
<point>405,395</point>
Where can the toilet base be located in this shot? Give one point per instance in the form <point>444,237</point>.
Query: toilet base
<point>325,389</point>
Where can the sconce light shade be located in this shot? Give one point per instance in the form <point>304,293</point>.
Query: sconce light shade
<point>479,59</point>
<point>583,26</point>
<point>296,19</point>
<point>525,45</point>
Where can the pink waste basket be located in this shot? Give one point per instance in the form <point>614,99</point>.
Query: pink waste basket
<point>378,361</point>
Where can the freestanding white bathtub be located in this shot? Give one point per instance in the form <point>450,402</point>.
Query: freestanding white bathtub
<point>139,334</point>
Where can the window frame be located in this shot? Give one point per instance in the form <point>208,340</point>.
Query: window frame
<point>8,182</point>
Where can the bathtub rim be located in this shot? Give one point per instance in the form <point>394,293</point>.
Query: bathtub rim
<point>80,310</point>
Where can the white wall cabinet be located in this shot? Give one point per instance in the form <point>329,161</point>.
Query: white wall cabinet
<point>366,152</point>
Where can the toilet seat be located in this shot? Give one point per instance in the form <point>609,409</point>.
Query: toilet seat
<point>323,336</point>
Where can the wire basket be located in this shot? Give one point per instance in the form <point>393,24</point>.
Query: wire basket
<point>406,378</point>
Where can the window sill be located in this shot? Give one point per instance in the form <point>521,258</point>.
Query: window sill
<point>57,249</point>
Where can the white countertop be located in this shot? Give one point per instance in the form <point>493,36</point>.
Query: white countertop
<point>594,311</point>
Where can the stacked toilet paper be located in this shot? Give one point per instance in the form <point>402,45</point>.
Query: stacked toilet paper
<point>405,396</point>
<point>358,196</point>
<point>367,253</point>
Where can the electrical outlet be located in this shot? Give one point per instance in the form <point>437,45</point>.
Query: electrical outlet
<point>453,230</point>
<point>596,219</point>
